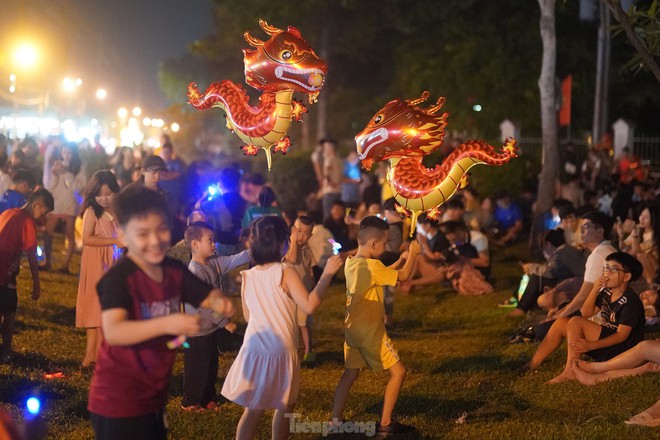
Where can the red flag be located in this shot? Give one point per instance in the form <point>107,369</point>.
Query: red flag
<point>565,110</point>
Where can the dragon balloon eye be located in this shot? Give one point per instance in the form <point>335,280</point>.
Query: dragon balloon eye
<point>286,55</point>
<point>378,119</point>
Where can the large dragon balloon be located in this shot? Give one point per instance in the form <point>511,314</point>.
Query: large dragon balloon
<point>278,67</point>
<point>403,133</point>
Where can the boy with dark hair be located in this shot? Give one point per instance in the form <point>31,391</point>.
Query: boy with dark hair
<point>200,360</point>
<point>18,234</point>
<point>367,343</point>
<point>300,257</point>
<point>141,298</point>
<point>22,184</point>
<point>617,327</point>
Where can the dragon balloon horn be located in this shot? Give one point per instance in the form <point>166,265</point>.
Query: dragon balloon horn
<point>404,133</point>
<point>277,67</point>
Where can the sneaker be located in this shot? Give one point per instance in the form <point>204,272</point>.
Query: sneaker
<point>393,428</point>
<point>212,406</point>
<point>524,334</point>
<point>509,303</point>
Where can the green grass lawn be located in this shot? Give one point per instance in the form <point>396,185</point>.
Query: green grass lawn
<point>455,348</point>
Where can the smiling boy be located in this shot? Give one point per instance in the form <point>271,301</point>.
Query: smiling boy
<point>141,298</point>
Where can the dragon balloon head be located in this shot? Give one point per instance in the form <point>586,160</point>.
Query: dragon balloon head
<point>284,62</point>
<point>402,129</point>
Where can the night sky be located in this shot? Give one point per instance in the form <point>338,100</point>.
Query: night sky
<point>115,44</point>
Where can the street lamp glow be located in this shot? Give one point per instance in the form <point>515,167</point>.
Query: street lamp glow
<point>70,84</point>
<point>12,77</point>
<point>137,111</point>
<point>122,112</point>
<point>174,126</point>
<point>146,122</point>
<point>26,56</point>
<point>476,107</point>
<point>101,94</point>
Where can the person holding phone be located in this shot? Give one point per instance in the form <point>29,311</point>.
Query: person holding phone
<point>641,242</point>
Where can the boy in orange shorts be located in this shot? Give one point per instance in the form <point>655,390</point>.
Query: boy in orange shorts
<point>367,343</point>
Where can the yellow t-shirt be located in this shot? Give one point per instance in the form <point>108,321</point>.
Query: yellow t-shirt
<point>365,278</point>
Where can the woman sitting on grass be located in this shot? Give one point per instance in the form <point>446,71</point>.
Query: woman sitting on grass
<point>642,358</point>
<point>617,327</point>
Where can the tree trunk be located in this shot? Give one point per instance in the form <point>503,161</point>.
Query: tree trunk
<point>322,109</point>
<point>550,159</point>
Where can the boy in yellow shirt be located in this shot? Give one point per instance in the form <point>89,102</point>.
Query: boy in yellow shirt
<point>367,343</point>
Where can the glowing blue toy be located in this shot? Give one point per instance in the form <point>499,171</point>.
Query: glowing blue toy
<point>33,405</point>
<point>213,191</point>
<point>336,247</point>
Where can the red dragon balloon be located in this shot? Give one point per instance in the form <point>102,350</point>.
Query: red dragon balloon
<point>403,133</point>
<point>278,67</point>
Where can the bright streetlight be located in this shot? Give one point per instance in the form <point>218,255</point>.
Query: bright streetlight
<point>137,111</point>
<point>174,126</point>
<point>101,94</point>
<point>70,84</point>
<point>122,112</point>
<point>26,56</point>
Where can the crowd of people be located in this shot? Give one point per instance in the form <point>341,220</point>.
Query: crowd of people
<point>158,251</point>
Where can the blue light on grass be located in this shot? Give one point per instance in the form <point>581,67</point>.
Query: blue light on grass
<point>33,405</point>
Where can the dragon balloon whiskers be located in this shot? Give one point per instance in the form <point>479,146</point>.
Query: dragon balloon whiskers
<point>278,67</point>
<point>404,133</point>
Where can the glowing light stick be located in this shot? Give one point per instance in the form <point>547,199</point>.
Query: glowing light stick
<point>335,246</point>
<point>179,341</point>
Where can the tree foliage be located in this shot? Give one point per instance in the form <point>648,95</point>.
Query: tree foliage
<point>470,51</point>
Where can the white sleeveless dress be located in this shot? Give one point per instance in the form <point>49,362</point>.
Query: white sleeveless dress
<point>266,371</point>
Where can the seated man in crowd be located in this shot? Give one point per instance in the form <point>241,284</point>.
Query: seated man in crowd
<point>434,244</point>
<point>336,224</point>
<point>465,277</point>
<point>456,212</point>
<point>595,233</point>
<point>563,262</point>
<point>508,218</point>
<point>570,224</point>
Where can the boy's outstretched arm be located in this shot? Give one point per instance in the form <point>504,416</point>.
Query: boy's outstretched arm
<point>413,252</point>
<point>34,270</point>
<point>119,330</point>
<point>225,263</point>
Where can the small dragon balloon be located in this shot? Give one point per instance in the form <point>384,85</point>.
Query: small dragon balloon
<point>278,67</point>
<point>404,133</point>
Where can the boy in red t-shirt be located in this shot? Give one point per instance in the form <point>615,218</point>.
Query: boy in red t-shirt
<point>141,298</point>
<point>18,234</point>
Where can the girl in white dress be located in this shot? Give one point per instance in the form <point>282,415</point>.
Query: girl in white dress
<point>266,372</point>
